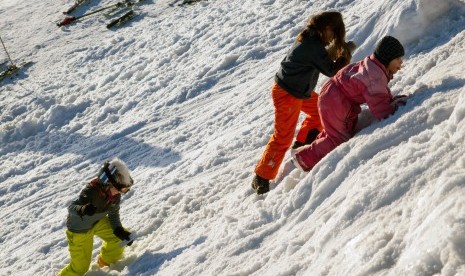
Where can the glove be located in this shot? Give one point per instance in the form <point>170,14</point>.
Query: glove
<point>341,62</point>
<point>123,234</point>
<point>348,50</point>
<point>350,46</point>
<point>399,100</point>
<point>88,209</point>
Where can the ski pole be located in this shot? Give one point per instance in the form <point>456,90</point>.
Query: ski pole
<point>71,19</point>
<point>11,61</point>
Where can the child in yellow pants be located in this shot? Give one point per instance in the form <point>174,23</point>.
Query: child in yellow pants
<point>96,213</point>
<point>81,244</point>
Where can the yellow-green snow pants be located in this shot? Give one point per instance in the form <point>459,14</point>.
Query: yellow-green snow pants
<point>81,244</point>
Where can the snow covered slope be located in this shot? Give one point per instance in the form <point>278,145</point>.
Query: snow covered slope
<point>182,94</point>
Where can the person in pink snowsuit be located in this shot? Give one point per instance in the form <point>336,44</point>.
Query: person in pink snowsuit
<point>341,96</point>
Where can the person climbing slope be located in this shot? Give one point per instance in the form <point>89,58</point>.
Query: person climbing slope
<point>96,213</point>
<point>341,96</point>
<point>319,48</point>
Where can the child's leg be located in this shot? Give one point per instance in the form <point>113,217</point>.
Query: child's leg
<point>111,252</point>
<point>311,126</point>
<point>310,155</point>
<point>338,119</point>
<point>287,110</point>
<point>80,250</point>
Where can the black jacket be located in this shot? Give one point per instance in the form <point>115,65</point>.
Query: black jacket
<point>299,70</point>
<point>106,206</point>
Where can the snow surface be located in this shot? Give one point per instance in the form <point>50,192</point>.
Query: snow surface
<point>182,94</point>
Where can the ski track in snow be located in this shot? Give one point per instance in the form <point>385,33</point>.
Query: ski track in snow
<point>182,94</point>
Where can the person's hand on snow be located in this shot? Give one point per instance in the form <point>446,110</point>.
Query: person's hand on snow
<point>123,235</point>
<point>399,100</point>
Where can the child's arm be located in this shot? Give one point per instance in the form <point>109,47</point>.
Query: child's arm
<point>114,217</point>
<point>83,205</point>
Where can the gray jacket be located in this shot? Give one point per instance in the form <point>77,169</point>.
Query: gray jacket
<point>299,70</point>
<point>106,206</point>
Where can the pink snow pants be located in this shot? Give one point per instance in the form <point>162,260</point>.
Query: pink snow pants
<point>339,117</point>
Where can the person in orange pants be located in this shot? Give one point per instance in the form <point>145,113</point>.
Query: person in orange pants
<point>294,86</point>
<point>287,111</point>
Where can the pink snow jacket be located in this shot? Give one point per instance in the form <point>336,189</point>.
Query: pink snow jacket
<point>366,82</point>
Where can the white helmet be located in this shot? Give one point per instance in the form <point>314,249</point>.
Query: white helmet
<point>115,172</point>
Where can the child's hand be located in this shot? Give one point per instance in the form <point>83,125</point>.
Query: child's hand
<point>88,209</point>
<point>350,46</point>
<point>123,234</point>
<point>399,100</point>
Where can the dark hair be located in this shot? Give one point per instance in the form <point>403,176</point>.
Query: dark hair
<point>318,23</point>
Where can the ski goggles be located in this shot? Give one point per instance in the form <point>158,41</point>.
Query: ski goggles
<point>107,178</point>
<point>123,188</point>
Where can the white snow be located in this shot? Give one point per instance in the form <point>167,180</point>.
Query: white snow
<point>182,95</point>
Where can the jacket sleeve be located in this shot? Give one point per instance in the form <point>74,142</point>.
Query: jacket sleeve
<point>84,197</point>
<point>320,60</point>
<point>113,216</point>
<point>378,97</point>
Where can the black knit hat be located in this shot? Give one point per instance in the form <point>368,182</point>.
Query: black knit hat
<point>388,49</point>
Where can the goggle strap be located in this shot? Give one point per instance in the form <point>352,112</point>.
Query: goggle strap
<point>108,172</point>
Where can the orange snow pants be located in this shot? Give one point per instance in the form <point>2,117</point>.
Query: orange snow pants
<point>287,111</point>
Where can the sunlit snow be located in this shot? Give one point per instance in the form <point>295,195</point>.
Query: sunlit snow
<point>182,95</point>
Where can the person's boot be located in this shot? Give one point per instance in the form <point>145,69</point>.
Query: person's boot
<point>297,145</point>
<point>101,263</point>
<point>311,136</point>
<point>260,184</point>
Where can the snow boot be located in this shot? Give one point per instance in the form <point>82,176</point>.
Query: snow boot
<point>297,145</point>
<point>260,184</point>
<point>101,263</point>
<point>311,136</point>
